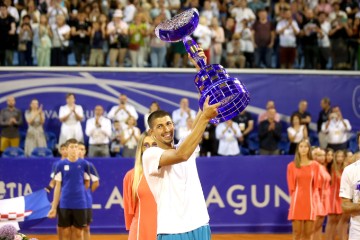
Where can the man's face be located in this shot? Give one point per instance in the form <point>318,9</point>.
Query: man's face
<point>11,102</point>
<point>303,106</point>
<point>81,151</point>
<point>72,150</point>
<point>123,99</point>
<point>3,11</point>
<point>271,114</point>
<point>184,103</point>
<point>70,100</point>
<point>163,131</point>
<point>98,111</point>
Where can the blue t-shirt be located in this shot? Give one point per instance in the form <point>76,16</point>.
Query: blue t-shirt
<point>72,176</point>
<point>53,168</point>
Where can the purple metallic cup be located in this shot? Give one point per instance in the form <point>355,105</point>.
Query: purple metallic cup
<point>211,80</point>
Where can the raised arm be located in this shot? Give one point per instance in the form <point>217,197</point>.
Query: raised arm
<point>188,146</point>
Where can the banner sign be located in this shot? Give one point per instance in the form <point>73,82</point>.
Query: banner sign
<point>243,194</point>
<point>103,88</point>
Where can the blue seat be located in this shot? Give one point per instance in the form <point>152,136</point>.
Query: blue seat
<point>51,140</point>
<point>22,139</point>
<point>253,143</point>
<point>13,152</point>
<point>314,138</point>
<point>42,152</point>
<point>284,144</point>
<point>353,145</point>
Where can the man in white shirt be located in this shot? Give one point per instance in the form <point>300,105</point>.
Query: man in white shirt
<point>180,115</point>
<point>287,29</point>
<point>98,129</point>
<point>350,178</point>
<point>336,129</point>
<point>71,115</point>
<point>129,12</point>
<point>323,40</point>
<point>240,12</point>
<point>122,111</point>
<point>228,134</point>
<point>173,178</point>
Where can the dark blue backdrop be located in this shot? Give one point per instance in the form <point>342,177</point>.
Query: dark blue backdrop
<point>244,194</point>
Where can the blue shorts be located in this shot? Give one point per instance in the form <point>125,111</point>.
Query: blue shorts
<point>201,233</point>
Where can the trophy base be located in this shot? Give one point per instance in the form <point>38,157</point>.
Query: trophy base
<point>231,93</point>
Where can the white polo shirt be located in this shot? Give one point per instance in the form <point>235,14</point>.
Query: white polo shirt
<point>177,191</point>
<point>349,178</point>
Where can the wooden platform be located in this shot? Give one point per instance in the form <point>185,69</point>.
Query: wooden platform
<point>214,237</point>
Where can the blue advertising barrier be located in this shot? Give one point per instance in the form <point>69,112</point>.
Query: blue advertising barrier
<point>102,86</point>
<point>243,194</point>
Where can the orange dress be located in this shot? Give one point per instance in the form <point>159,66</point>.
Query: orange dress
<point>335,200</point>
<point>323,197</point>
<point>140,216</point>
<point>302,183</point>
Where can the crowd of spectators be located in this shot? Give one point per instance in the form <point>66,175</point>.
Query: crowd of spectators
<point>116,133</point>
<point>309,34</point>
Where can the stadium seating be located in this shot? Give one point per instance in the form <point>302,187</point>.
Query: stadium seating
<point>42,152</point>
<point>13,152</point>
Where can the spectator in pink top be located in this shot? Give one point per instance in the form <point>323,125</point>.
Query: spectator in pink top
<point>264,115</point>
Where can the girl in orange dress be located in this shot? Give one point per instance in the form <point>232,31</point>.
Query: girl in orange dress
<point>335,212</point>
<point>140,209</point>
<point>302,179</point>
<point>323,194</point>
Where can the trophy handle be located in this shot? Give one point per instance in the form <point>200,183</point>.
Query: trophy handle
<point>192,48</point>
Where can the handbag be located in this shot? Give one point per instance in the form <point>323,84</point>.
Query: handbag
<point>22,46</point>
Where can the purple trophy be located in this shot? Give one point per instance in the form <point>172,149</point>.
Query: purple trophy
<point>212,80</point>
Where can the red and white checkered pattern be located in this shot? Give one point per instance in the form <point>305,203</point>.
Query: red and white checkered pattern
<point>14,216</point>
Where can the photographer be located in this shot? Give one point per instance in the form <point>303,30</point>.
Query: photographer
<point>81,36</point>
<point>336,129</point>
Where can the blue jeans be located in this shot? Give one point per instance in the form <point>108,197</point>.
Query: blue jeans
<point>157,56</point>
<point>201,233</point>
<point>263,55</point>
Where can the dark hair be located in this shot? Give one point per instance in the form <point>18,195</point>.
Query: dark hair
<point>63,145</point>
<point>325,99</point>
<point>155,115</point>
<point>70,94</point>
<point>293,116</point>
<point>71,141</point>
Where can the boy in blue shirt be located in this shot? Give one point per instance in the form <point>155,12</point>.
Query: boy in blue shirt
<point>94,177</point>
<point>70,176</point>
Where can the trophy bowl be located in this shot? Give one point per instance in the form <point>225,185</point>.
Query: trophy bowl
<point>212,80</point>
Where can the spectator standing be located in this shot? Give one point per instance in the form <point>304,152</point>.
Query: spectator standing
<point>157,47</point>
<point>54,11</point>
<point>336,128</point>
<point>7,30</point>
<point>218,38</point>
<point>130,137</point>
<point>323,117</point>
<point>97,40</point>
<point>129,12</point>
<point>44,49</point>
<point>264,36</point>
<point>204,35</point>
<point>240,11</point>
<point>228,133</point>
<point>323,6</point>
<point>98,129</point>
<point>288,29</point>
<point>80,33</point>
<point>280,8</point>
<point>117,30</point>
<point>247,44</point>
<point>323,41</point>
<point>309,33</point>
<point>35,136</point>
<point>246,125</point>
<point>60,42</point>
<point>296,132</point>
<point>184,131</point>
<point>137,32</point>
<point>234,56</point>
<point>180,115</point>
<point>122,111</point>
<point>269,134</point>
<point>304,114</point>
<point>209,143</point>
<point>25,42</point>
<point>70,115</point>
<point>10,121</point>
